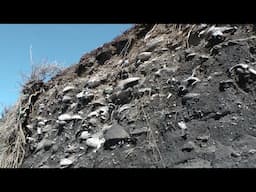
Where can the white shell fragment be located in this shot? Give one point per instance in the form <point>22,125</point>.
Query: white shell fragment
<point>144,56</point>
<point>123,84</point>
<point>95,142</point>
<point>65,162</point>
<point>65,117</point>
<point>68,88</point>
<point>85,135</point>
<point>182,125</point>
<point>76,117</point>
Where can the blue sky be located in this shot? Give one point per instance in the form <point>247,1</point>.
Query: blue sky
<point>65,43</point>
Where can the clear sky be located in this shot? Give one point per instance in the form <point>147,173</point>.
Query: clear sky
<point>65,43</point>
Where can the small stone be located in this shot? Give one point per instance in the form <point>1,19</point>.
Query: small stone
<point>130,82</point>
<point>121,97</point>
<point>68,88</point>
<point>65,162</point>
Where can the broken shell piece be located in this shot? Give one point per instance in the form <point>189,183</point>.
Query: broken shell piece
<point>30,127</point>
<point>85,135</point>
<point>130,82</point>
<point>61,122</point>
<point>68,88</point>
<point>65,162</point>
<point>39,130</point>
<point>77,117</point>
<point>252,151</point>
<point>144,56</point>
<point>41,123</point>
<point>65,117</point>
<point>241,65</point>
<point>182,125</point>
<point>191,80</point>
<point>66,98</point>
<point>95,142</point>
<point>93,114</point>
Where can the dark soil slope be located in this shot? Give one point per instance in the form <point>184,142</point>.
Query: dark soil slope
<point>157,96</point>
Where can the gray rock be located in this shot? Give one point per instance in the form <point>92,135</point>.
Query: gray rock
<point>116,132</point>
<point>129,82</point>
<point>121,97</point>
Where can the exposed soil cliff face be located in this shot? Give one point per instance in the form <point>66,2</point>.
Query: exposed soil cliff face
<point>157,96</point>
